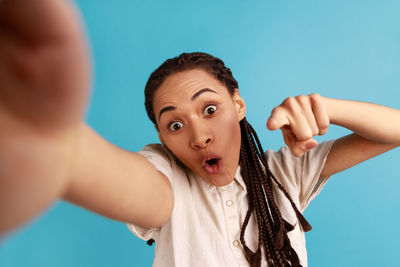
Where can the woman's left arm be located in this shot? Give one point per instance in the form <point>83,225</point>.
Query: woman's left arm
<point>376,128</point>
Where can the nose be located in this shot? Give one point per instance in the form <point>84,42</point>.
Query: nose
<point>200,138</point>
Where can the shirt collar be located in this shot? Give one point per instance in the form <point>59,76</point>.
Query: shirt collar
<point>239,178</point>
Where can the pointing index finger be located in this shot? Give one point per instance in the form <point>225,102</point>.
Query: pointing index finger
<point>277,120</point>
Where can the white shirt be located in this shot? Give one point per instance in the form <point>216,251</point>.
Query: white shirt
<point>206,220</point>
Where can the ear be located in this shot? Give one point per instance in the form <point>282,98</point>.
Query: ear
<point>160,137</point>
<point>239,104</point>
<point>159,134</point>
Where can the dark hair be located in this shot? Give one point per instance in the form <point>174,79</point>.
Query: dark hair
<point>187,61</point>
<point>272,228</point>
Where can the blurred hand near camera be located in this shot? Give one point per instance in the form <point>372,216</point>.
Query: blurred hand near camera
<point>44,84</point>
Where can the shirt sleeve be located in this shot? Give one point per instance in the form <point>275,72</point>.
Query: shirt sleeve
<point>310,168</point>
<point>160,158</point>
<point>301,175</point>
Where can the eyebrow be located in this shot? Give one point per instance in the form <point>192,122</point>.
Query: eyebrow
<point>196,95</point>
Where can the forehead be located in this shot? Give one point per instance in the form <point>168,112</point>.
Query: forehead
<point>182,86</point>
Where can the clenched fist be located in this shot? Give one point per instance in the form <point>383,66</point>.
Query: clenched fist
<point>300,118</point>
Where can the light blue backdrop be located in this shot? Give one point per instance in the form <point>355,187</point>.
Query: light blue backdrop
<point>341,49</point>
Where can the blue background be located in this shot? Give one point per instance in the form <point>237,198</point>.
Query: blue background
<point>276,49</point>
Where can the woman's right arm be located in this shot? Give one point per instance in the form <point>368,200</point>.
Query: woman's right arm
<point>46,152</point>
<point>116,183</point>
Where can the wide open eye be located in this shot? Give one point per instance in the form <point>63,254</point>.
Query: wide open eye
<point>175,126</point>
<point>210,109</point>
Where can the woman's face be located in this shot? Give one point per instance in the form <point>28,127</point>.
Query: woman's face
<point>198,120</point>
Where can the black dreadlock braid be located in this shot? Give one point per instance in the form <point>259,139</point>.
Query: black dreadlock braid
<point>272,228</point>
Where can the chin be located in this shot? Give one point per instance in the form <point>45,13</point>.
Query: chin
<point>219,180</point>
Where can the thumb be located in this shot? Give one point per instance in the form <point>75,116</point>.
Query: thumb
<point>299,148</point>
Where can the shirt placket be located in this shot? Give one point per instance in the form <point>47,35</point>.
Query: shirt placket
<point>232,224</point>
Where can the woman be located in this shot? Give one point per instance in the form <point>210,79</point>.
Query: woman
<point>199,115</point>
<point>194,102</point>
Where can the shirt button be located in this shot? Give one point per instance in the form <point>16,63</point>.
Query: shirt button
<point>236,243</point>
<point>229,203</point>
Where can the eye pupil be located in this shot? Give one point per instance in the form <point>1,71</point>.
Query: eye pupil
<point>175,126</point>
<point>210,110</point>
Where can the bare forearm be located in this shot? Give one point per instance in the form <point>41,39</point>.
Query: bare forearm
<point>33,172</point>
<point>376,123</point>
<point>116,183</point>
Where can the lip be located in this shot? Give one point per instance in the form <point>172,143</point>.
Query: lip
<point>208,157</point>
<point>215,168</point>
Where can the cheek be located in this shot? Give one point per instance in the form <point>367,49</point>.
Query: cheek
<point>232,139</point>
<point>172,144</point>
<point>177,145</point>
<point>229,128</point>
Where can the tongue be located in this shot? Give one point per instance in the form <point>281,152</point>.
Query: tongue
<point>214,168</point>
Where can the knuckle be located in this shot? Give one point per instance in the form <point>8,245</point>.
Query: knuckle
<point>305,135</point>
<point>323,129</point>
<point>302,98</point>
<point>277,110</point>
<point>324,125</point>
<point>315,131</point>
<point>322,132</point>
<point>291,104</point>
<point>308,136</point>
<point>315,97</point>
<point>289,101</point>
<point>304,101</point>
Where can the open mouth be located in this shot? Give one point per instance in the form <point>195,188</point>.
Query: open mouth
<point>212,164</point>
<point>212,161</point>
